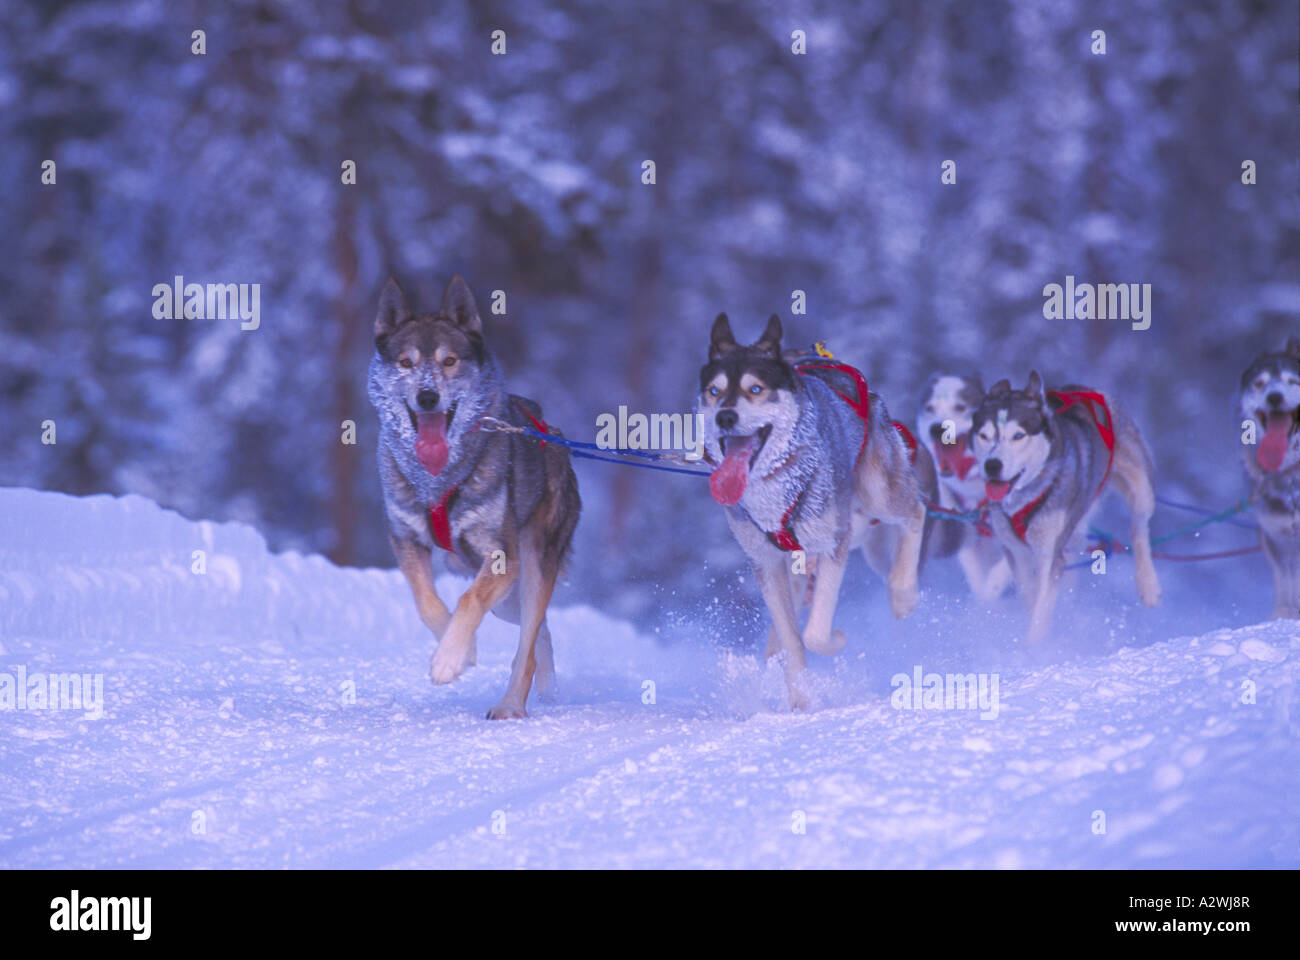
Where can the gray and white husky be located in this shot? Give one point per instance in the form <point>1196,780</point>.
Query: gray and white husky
<point>1270,398</point>
<point>1044,459</point>
<point>499,506</point>
<point>804,463</point>
<point>944,422</point>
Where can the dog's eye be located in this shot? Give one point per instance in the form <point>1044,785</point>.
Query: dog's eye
<point>449,362</point>
<point>1020,435</point>
<point>756,389</point>
<point>929,408</point>
<point>1259,384</point>
<point>714,391</point>
<point>960,408</point>
<point>406,362</point>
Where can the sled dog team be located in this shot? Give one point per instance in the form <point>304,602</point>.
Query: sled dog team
<point>807,464</point>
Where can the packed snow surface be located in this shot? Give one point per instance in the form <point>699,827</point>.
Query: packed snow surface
<point>275,711</point>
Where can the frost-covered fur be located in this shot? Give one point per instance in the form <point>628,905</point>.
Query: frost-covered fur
<point>809,457</point>
<point>514,507</point>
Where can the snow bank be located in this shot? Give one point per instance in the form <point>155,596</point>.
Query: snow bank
<point>274,711</point>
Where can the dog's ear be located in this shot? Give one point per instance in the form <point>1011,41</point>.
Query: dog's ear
<point>1035,386</point>
<point>458,305</point>
<point>392,310</point>
<point>1000,388</point>
<point>976,382</point>
<point>770,341</point>
<point>721,339</point>
<point>1293,346</point>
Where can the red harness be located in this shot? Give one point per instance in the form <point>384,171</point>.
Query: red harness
<point>1093,402</point>
<point>439,516</point>
<point>907,439</point>
<point>784,538</point>
<point>1019,519</point>
<point>861,406</point>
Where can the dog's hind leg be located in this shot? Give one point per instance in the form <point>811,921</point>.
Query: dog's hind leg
<point>544,678</point>
<point>536,583</point>
<point>457,644</point>
<point>1133,481</point>
<point>817,633</point>
<point>774,581</point>
<point>416,564</point>
<point>902,575</point>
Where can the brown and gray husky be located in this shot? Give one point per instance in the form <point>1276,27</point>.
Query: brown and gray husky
<point>1269,404</point>
<point>500,506</point>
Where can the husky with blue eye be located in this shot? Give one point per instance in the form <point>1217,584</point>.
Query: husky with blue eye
<point>808,464</point>
<point>1045,457</point>
<point>1269,401</point>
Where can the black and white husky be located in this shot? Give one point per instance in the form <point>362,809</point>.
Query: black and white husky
<point>808,465</point>
<point>1269,402</point>
<point>1045,458</point>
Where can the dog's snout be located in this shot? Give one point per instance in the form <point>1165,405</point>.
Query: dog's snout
<point>1274,399</point>
<point>427,399</point>
<point>993,467</point>
<point>936,431</point>
<point>727,419</point>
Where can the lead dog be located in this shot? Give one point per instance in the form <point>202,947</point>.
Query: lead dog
<point>1270,399</point>
<point>944,422</point>
<point>498,505</point>
<point>805,459</point>
<point>1045,459</point>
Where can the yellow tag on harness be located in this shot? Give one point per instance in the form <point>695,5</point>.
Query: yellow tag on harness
<point>820,347</point>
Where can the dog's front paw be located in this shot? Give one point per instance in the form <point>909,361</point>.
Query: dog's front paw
<point>797,687</point>
<point>1149,592</point>
<point>826,644</point>
<point>507,710</point>
<point>902,597</point>
<point>449,660</point>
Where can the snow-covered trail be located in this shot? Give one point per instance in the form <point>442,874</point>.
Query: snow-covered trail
<point>227,707</point>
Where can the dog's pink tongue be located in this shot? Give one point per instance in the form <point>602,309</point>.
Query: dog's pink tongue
<point>728,481</point>
<point>1272,449</point>
<point>431,441</point>
<point>996,489</point>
